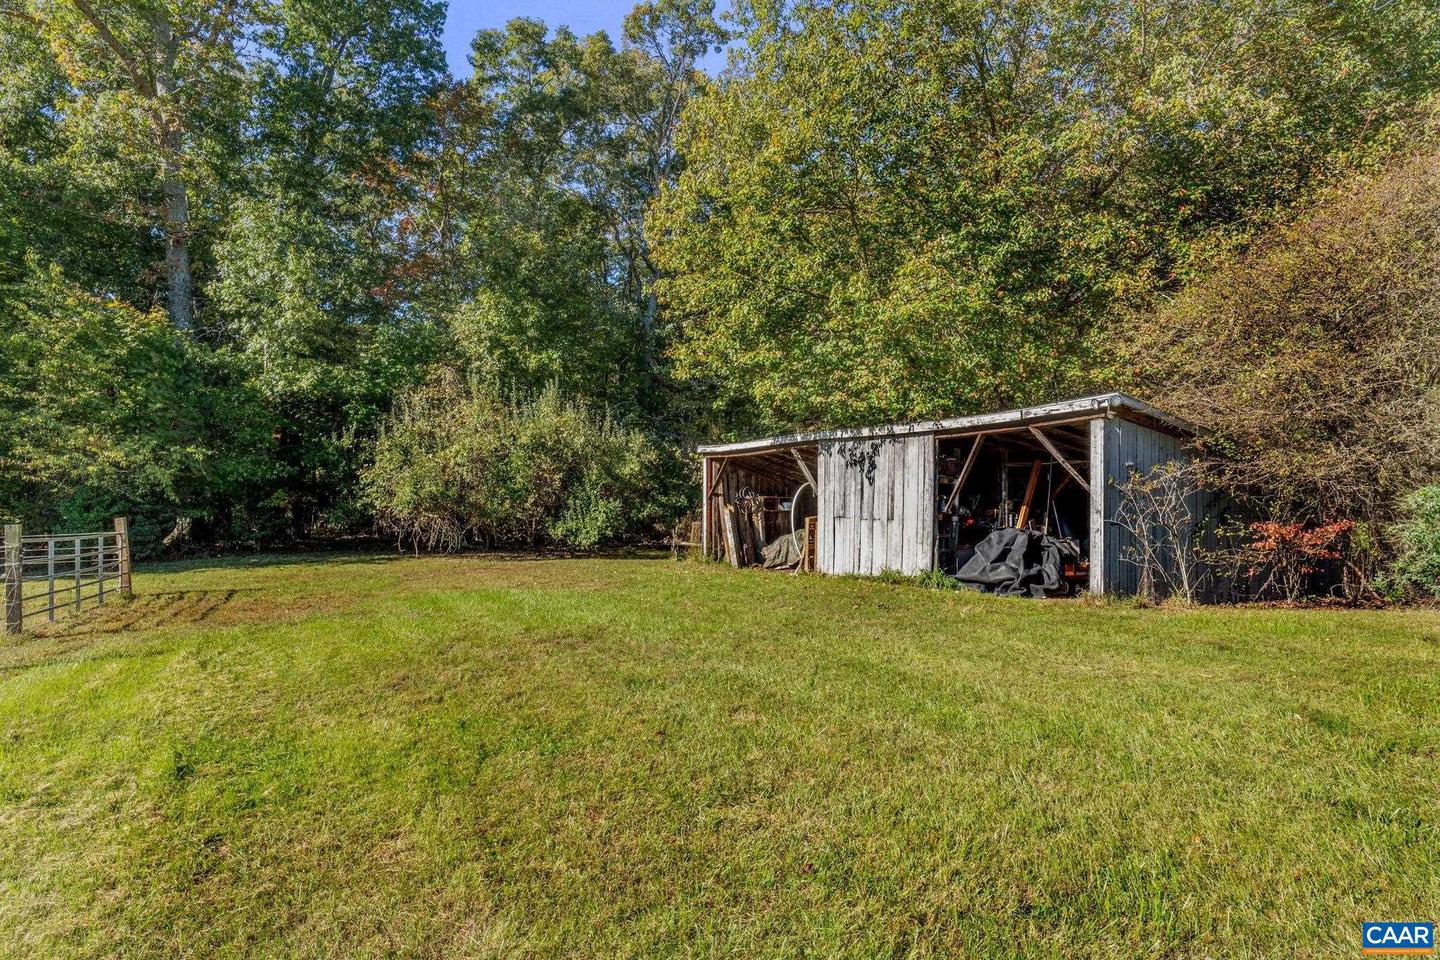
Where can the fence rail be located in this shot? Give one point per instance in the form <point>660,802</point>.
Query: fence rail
<point>46,574</point>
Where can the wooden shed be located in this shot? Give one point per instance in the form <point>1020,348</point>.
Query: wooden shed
<point>905,497</point>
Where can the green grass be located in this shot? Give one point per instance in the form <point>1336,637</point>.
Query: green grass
<point>482,757</point>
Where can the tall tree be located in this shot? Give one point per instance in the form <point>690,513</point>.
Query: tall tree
<point>248,165</point>
<point>158,69</point>
<point>533,232</point>
<point>671,38</point>
<point>308,260</point>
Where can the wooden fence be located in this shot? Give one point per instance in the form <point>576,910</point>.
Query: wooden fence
<point>46,574</point>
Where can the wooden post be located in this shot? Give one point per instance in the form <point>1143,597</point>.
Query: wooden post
<point>705,507</point>
<point>122,541</point>
<point>1099,490</point>
<point>1024,516</point>
<point>50,579</point>
<point>14,543</point>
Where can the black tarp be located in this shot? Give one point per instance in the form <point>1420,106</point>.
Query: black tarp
<point>1014,562</point>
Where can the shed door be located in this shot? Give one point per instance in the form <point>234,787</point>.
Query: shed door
<point>876,506</point>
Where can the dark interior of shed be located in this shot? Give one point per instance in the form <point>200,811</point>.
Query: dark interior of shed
<point>763,507</point>
<point>1014,480</point>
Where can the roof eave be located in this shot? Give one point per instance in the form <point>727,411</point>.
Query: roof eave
<point>1091,407</point>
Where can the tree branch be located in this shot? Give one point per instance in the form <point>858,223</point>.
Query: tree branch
<point>142,86</point>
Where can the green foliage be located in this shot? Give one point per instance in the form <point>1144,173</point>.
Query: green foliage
<point>881,210</point>
<point>899,210</point>
<point>1417,565</point>
<point>534,252</point>
<point>108,411</point>
<point>458,464</point>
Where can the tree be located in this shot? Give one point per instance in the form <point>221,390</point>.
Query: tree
<point>310,257</point>
<point>107,411</point>
<point>268,143</point>
<point>531,240</point>
<point>667,39</point>
<point>160,70</point>
<point>899,210</point>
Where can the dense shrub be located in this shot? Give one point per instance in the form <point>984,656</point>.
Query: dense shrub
<point>1417,535</point>
<point>457,463</point>
<point>1311,360</point>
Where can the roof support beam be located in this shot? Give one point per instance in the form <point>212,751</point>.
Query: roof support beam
<point>805,469</point>
<point>718,472</point>
<point>1050,448</point>
<point>964,472</point>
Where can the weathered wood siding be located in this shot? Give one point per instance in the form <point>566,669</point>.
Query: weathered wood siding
<point>1117,447</point>
<point>876,508</point>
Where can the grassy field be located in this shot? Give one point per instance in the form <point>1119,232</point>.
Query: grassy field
<point>634,757</point>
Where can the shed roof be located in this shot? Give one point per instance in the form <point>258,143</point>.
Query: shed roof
<point>1082,408</point>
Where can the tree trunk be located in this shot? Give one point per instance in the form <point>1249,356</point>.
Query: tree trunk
<point>180,301</point>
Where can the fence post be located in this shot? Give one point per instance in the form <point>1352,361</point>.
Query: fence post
<point>100,567</point>
<point>50,579</point>
<point>122,541</point>
<point>14,543</point>
<point>75,562</point>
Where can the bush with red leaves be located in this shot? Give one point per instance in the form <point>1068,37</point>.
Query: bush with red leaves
<point>1286,554</point>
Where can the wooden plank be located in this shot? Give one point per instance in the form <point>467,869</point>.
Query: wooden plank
<point>893,507</point>
<point>855,490</point>
<point>905,507</point>
<point>50,577</point>
<point>880,509</point>
<point>832,552</point>
<point>843,558</point>
<point>705,507</point>
<point>77,572</point>
<point>831,475</point>
<point>906,458</point>
<point>719,471</point>
<point>804,467</point>
<point>1099,582</point>
<point>865,476</point>
<point>732,535</point>
<point>863,491</point>
<point>921,507</point>
<point>895,475</point>
<point>822,501</point>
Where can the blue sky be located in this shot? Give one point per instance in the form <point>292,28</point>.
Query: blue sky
<point>582,16</point>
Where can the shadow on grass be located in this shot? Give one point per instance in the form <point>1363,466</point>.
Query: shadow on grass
<point>146,611</point>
